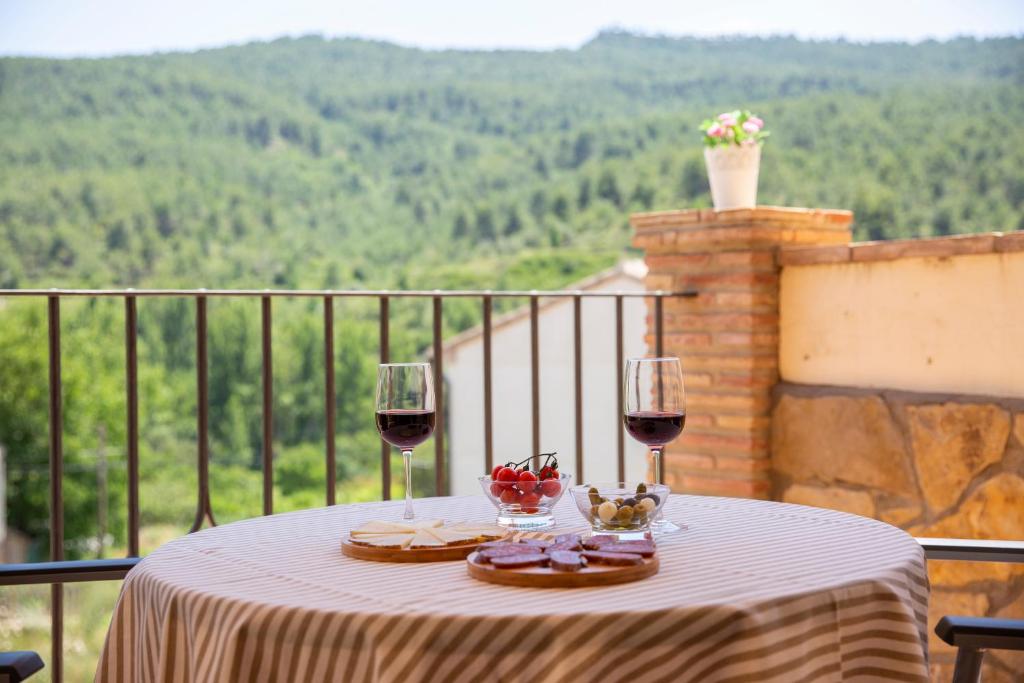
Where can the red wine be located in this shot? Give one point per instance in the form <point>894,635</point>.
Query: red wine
<point>654,428</point>
<point>405,428</point>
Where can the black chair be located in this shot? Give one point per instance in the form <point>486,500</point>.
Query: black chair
<point>17,666</point>
<point>971,636</point>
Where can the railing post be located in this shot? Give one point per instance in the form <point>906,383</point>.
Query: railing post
<point>132,390</point>
<point>329,399</point>
<point>56,489</point>
<point>535,379</point>
<point>577,343</point>
<point>268,407</point>
<point>488,416</point>
<point>619,432</point>
<point>439,464</point>
<point>203,506</point>
<point>385,449</point>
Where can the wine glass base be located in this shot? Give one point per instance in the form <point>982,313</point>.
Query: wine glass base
<point>662,527</point>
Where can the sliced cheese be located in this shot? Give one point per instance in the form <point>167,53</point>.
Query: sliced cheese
<point>427,523</point>
<point>450,536</point>
<point>378,527</point>
<point>400,541</point>
<point>424,539</point>
<point>480,530</point>
<point>425,533</point>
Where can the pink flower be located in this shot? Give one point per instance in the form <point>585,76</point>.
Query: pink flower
<point>730,132</point>
<point>750,127</point>
<point>756,121</point>
<point>727,119</point>
<point>716,131</point>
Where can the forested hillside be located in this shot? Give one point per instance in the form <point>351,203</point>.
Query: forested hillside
<point>306,163</point>
<point>292,163</point>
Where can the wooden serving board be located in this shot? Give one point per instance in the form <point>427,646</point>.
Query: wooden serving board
<point>545,577</point>
<point>374,554</point>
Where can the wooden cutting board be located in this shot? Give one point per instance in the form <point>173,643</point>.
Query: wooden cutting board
<point>545,577</point>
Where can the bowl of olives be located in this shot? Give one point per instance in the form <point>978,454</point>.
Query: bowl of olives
<point>620,507</point>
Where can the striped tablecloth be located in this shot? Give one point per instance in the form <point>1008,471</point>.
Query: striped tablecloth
<point>751,591</point>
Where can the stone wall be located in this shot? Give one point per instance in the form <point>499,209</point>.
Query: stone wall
<point>935,465</point>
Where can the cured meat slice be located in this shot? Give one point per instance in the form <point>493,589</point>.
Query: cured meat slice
<point>643,548</point>
<point>520,560</point>
<point>595,542</point>
<point>488,554</point>
<point>567,561</point>
<point>535,542</point>
<point>564,546</point>
<point>567,538</point>
<point>495,544</point>
<point>612,559</point>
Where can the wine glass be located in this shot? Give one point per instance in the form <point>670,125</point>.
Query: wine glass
<point>654,405</point>
<point>405,412</point>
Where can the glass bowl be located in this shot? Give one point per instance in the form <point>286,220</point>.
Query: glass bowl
<point>620,508</point>
<point>525,505</point>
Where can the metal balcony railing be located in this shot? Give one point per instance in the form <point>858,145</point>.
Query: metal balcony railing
<point>58,571</point>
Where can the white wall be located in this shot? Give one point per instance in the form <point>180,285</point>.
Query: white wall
<point>510,349</point>
<point>952,324</point>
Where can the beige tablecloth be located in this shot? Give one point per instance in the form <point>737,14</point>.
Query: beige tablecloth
<point>752,591</point>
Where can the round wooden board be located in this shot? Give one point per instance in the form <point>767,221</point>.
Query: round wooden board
<point>445,554</point>
<point>545,577</point>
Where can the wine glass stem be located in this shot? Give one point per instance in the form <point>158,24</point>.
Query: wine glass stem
<point>657,464</point>
<point>407,461</point>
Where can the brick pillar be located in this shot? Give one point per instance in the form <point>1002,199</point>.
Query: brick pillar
<point>728,336</point>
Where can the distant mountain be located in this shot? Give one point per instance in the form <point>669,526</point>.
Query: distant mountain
<point>311,162</point>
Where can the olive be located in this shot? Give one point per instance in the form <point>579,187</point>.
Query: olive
<point>631,502</point>
<point>620,502</point>
<point>594,495</point>
<point>607,512</point>
<point>641,488</point>
<point>625,514</point>
<point>593,511</point>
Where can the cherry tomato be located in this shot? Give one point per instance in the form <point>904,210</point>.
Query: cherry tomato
<point>550,488</point>
<point>527,482</point>
<point>509,496</point>
<point>496,489</point>
<point>529,499</point>
<point>507,474</point>
<point>494,472</point>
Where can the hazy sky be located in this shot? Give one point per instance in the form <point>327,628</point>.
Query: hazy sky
<point>102,27</point>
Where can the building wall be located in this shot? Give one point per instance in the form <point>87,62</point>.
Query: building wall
<point>860,325</point>
<point>889,377</point>
<point>511,390</point>
<point>950,321</point>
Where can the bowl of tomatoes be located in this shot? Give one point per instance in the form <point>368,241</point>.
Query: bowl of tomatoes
<point>525,493</point>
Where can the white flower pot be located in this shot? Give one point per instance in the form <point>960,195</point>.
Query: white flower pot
<point>732,171</point>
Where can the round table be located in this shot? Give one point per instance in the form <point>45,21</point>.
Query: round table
<point>750,591</point>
